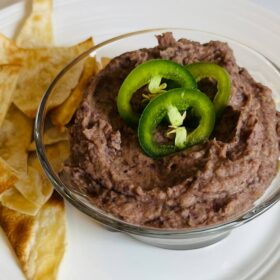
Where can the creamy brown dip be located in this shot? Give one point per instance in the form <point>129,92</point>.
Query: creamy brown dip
<point>199,186</point>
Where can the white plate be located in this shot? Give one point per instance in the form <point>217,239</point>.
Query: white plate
<point>94,253</point>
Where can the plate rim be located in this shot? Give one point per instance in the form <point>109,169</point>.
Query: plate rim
<point>15,8</point>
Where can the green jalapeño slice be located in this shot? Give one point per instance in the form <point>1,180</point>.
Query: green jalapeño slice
<point>172,106</point>
<point>203,70</point>
<point>150,73</point>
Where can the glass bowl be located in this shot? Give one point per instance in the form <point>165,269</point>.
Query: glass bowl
<point>260,68</point>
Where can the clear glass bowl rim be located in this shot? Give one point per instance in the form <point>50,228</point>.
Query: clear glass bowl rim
<point>113,222</point>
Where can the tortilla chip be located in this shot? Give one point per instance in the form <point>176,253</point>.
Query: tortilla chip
<point>52,135</point>
<point>40,72</point>
<point>39,242</point>
<point>18,228</point>
<point>104,61</point>
<point>35,188</point>
<point>15,137</point>
<point>39,68</point>
<point>8,176</point>
<point>56,153</point>
<point>8,79</point>
<point>14,200</point>
<point>37,29</point>
<point>101,64</point>
<point>62,115</point>
<point>9,52</point>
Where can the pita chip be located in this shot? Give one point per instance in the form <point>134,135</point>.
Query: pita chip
<point>15,138</point>
<point>37,30</point>
<point>8,80</point>
<point>62,115</point>
<point>38,241</point>
<point>39,68</point>
<point>52,136</point>
<point>14,200</point>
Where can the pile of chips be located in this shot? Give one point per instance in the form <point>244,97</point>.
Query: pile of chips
<point>31,213</point>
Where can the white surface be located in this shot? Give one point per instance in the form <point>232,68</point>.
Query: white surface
<point>94,253</point>
<point>273,5</point>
